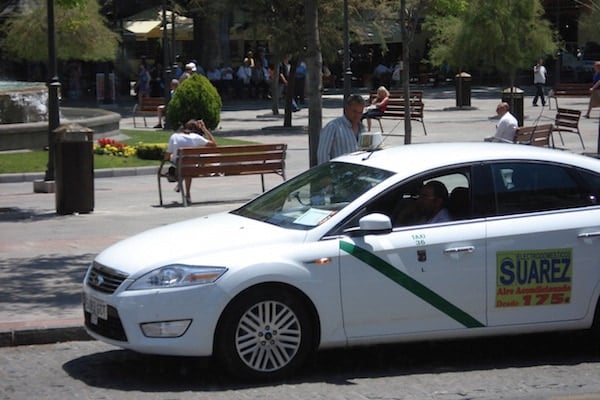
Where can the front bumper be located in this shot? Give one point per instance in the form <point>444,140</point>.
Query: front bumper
<point>128,311</point>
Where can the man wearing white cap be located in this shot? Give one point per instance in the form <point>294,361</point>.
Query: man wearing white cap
<point>190,69</point>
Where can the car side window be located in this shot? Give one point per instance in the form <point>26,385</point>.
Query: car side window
<point>529,187</point>
<point>405,203</point>
<point>592,183</point>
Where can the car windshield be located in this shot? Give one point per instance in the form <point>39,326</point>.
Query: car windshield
<point>312,197</point>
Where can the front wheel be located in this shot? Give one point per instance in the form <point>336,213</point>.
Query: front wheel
<point>265,334</point>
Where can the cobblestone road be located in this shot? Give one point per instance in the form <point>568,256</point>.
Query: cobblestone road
<point>548,367</point>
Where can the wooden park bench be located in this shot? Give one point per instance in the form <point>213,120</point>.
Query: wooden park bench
<point>202,162</point>
<point>146,106</point>
<point>568,90</point>
<point>396,107</point>
<point>538,135</point>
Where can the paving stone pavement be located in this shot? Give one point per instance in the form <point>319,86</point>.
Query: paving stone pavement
<point>44,255</point>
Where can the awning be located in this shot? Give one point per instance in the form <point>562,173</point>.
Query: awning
<point>146,28</point>
<point>143,29</point>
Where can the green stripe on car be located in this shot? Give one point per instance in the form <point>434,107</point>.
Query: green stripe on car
<point>411,285</point>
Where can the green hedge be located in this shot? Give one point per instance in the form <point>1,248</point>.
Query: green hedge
<point>195,98</point>
<point>151,151</point>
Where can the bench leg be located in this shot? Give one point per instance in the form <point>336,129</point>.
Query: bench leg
<point>580,139</point>
<point>380,125</point>
<point>160,198</point>
<point>184,195</point>
<point>562,142</point>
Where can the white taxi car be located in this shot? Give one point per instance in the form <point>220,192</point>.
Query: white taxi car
<point>339,256</point>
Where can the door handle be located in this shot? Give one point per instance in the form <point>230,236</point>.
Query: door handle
<point>453,250</point>
<point>588,235</point>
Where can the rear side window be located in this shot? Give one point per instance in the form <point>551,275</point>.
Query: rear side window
<point>528,187</point>
<point>592,183</point>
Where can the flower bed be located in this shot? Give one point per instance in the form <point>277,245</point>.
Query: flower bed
<point>112,147</point>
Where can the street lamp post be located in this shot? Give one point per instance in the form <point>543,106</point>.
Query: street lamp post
<point>165,43</point>
<point>559,53</point>
<point>174,65</point>
<point>53,90</point>
<point>347,69</point>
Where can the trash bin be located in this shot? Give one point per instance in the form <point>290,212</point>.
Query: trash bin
<point>514,97</point>
<point>463,90</point>
<point>74,169</point>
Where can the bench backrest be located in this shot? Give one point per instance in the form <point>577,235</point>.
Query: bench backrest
<point>567,119</point>
<point>415,95</point>
<point>232,160</point>
<point>396,103</point>
<point>538,135</point>
<point>150,103</point>
<point>571,89</point>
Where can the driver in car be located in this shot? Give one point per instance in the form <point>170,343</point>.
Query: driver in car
<point>432,202</point>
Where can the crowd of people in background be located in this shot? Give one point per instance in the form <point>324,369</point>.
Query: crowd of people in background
<point>252,79</point>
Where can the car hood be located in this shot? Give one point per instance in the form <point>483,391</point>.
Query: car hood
<point>207,240</point>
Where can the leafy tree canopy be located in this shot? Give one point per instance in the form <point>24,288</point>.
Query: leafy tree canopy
<point>81,33</point>
<point>503,36</point>
<point>589,23</point>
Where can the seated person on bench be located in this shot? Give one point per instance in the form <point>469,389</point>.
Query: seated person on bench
<point>162,109</point>
<point>377,107</point>
<point>189,137</point>
<point>507,125</point>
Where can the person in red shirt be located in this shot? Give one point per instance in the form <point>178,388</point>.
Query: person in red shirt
<point>377,107</point>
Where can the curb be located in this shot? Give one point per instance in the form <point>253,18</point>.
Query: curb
<point>98,173</point>
<point>42,332</point>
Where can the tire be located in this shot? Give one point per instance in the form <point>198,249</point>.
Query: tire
<point>265,334</point>
<point>596,324</point>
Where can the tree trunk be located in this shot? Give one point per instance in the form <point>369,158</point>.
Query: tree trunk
<point>405,72</point>
<point>290,93</point>
<point>314,66</point>
<point>275,61</point>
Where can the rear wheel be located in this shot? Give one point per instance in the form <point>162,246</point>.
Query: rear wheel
<point>265,334</point>
<point>596,323</point>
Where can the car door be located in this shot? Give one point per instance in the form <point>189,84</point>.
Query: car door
<point>543,246</point>
<point>419,278</point>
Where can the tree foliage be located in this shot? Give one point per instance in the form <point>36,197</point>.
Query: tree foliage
<point>502,36</point>
<point>589,23</point>
<point>81,33</point>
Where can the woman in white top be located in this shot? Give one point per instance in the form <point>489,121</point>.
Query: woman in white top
<point>189,137</point>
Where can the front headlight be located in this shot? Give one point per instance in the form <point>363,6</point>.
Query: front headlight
<point>177,275</point>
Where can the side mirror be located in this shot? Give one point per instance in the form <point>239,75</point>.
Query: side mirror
<point>375,222</point>
<point>372,224</point>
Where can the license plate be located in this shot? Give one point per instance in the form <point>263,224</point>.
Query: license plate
<point>97,309</point>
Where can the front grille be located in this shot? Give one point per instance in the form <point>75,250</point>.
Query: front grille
<point>105,279</point>
<point>110,328</point>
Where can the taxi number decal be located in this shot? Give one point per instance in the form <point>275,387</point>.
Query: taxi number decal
<point>419,239</point>
<point>410,284</point>
<point>534,277</point>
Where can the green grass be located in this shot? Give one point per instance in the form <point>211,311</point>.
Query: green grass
<point>36,161</point>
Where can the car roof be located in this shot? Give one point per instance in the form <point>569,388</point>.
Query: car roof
<point>415,158</point>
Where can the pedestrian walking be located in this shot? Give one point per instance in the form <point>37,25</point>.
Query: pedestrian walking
<point>539,80</point>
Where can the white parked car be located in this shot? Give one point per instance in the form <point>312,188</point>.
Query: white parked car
<point>338,256</point>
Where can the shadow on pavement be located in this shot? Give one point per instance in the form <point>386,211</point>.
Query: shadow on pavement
<point>126,370</point>
<point>43,284</point>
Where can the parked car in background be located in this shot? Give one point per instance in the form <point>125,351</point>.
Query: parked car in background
<point>338,256</point>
